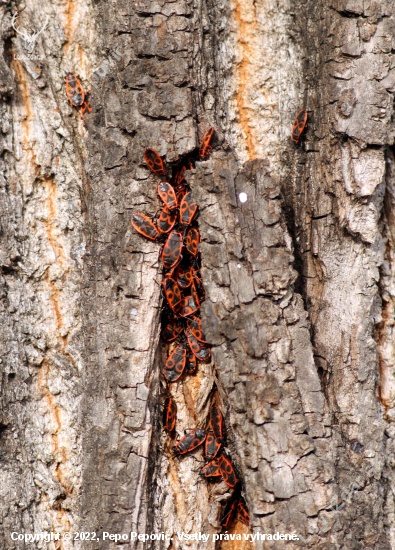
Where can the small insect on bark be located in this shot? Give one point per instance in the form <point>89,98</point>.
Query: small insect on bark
<point>169,414</point>
<point>216,421</point>
<point>192,241</point>
<point>299,126</point>
<point>195,326</point>
<point>172,250</point>
<point>188,306</point>
<point>175,364</point>
<point>243,514</point>
<point>190,441</point>
<point>212,445</point>
<point>167,219</point>
<point>188,209</point>
<point>172,330</point>
<point>227,471</point>
<point>211,469</point>
<point>167,195</point>
<point>190,366</point>
<point>229,513</point>
<point>74,90</point>
<point>200,350</point>
<point>154,162</point>
<point>172,293</point>
<point>205,147</point>
<point>86,105</point>
<point>145,226</point>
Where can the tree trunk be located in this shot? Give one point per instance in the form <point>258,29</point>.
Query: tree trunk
<point>300,299</point>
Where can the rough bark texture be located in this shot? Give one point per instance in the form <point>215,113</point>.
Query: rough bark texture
<point>299,278</point>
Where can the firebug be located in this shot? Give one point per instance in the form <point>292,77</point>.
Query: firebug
<point>190,441</point>
<point>299,126</point>
<point>171,253</point>
<point>175,364</point>
<point>169,414</point>
<point>74,90</point>
<point>154,162</point>
<point>205,147</point>
<point>145,226</point>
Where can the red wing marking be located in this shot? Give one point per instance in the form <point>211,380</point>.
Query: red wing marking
<point>172,293</point>
<point>227,471</point>
<point>169,414</point>
<point>192,241</point>
<point>195,326</point>
<point>190,367</point>
<point>216,422</point>
<point>175,364</point>
<point>188,209</point>
<point>172,330</point>
<point>243,514</point>
<point>190,441</point>
<point>184,276</point>
<point>205,147</point>
<point>145,226</point>
<point>200,351</point>
<point>167,219</point>
<point>212,446</point>
<point>172,250</point>
<point>154,162</point>
<point>74,91</point>
<point>211,469</point>
<point>299,125</point>
<point>167,195</point>
<point>229,514</point>
<point>188,306</point>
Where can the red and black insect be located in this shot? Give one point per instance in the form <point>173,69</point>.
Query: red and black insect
<point>184,276</point>
<point>167,194</point>
<point>167,219</point>
<point>299,126</point>
<point>171,253</point>
<point>242,513</point>
<point>195,326</point>
<point>192,241</point>
<point>211,469</point>
<point>229,513</point>
<point>188,209</point>
<point>74,90</point>
<point>172,330</point>
<point>205,147</point>
<point>216,421</point>
<point>86,105</point>
<point>190,441</point>
<point>175,364</point>
<point>190,366</point>
<point>227,471</point>
<point>154,162</point>
<point>181,194</point>
<point>172,293</point>
<point>212,445</point>
<point>200,351</point>
<point>145,226</point>
<point>194,294</point>
<point>179,180</point>
<point>188,306</point>
<point>169,414</point>
<point>197,278</point>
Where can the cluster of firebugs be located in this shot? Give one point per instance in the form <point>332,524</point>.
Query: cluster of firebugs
<point>184,292</point>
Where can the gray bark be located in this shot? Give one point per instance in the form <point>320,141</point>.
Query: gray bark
<point>299,279</point>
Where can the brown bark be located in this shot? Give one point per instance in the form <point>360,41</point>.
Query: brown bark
<point>298,278</point>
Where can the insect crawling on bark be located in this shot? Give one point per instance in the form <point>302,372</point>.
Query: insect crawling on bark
<point>175,364</point>
<point>154,162</point>
<point>74,90</point>
<point>169,414</point>
<point>190,441</point>
<point>299,126</point>
<point>172,250</point>
<point>145,226</point>
<point>205,147</point>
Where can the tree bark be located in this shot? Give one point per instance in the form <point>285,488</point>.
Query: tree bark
<point>298,278</point>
